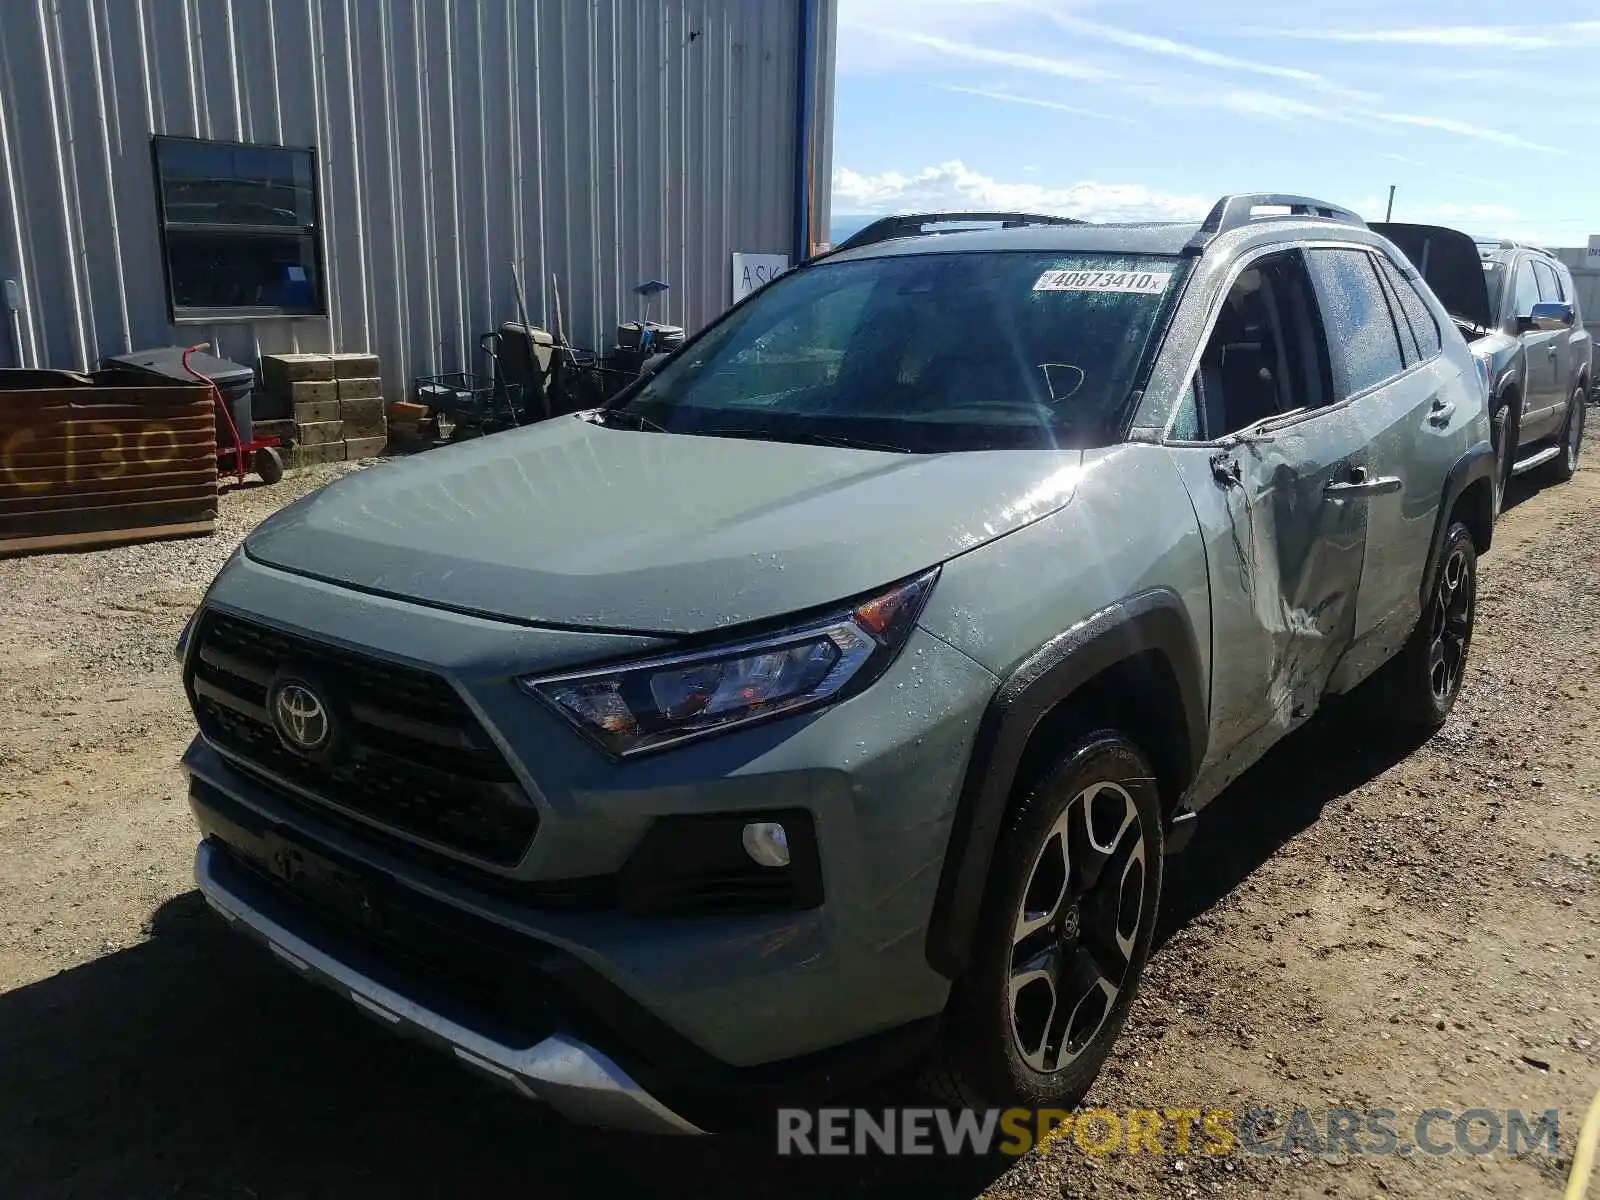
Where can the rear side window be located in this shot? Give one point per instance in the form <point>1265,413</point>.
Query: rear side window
<point>1361,332</point>
<point>1549,285</point>
<point>1569,292</point>
<point>1408,340</point>
<point>1414,308</point>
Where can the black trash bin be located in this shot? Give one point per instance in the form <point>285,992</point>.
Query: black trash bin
<point>236,382</point>
<point>640,341</point>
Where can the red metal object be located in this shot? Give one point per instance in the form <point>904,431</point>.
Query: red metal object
<point>241,452</point>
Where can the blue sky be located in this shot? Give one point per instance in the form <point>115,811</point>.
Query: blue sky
<point>1481,116</point>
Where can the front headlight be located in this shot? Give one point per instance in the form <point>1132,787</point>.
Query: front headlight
<point>661,702</point>
<point>1481,362</point>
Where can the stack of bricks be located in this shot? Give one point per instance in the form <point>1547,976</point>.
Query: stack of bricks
<point>335,402</point>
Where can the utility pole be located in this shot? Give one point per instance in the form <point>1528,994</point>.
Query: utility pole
<point>1389,215</point>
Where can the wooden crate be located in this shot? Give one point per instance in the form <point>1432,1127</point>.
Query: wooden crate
<point>97,460</point>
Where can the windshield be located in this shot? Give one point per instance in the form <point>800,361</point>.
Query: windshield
<point>922,353</point>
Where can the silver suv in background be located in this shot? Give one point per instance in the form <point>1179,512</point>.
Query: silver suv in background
<point>1518,309</point>
<point>828,704</point>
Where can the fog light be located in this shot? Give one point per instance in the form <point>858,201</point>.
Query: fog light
<point>766,843</point>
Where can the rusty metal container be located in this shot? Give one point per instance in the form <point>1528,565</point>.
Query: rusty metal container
<point>101,459</point>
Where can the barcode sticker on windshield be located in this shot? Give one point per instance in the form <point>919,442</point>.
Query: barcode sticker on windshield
<point>1140,283</point>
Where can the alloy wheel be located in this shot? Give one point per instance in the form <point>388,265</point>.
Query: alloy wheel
<point>1073,938</point>
<point>1450,626</point>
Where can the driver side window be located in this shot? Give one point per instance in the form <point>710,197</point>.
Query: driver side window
<point>1265,354</point>
<point>1527,293</point>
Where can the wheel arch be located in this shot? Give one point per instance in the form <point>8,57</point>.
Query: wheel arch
<point>1508,391</point>
<point>1135,663</point>
<point>1510,380</point>
<point>1469,497</point>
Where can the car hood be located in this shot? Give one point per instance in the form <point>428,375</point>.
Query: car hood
<point>570,523</point>
<point>1448,260</point>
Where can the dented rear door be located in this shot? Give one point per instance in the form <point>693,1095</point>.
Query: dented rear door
<point>1284,556</point>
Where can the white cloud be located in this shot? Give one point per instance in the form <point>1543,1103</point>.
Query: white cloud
<point>1181,93</point>
<point>1250,103</point>
<point>953,186</point>
<point>1466,129</point>
<point>1013,98</point>
<point>1485,220</point>
<point>1151,44</point>
<point>1465,215</point>
<point>1433,172</point>
<point>1063,68</point>
<point>1492,37</point>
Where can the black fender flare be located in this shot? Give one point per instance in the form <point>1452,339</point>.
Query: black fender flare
<point>1154,620</point>
<point>1511,374</point>
<point>1475,465</point>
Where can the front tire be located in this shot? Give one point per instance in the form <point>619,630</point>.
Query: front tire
<point>1566,464</point>
<point>1064,933</point>
<point>1425,677</point>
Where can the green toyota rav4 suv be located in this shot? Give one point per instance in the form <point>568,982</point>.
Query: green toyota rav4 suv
<point>825,706</point>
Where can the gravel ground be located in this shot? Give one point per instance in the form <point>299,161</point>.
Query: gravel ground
<point>1360,921</point>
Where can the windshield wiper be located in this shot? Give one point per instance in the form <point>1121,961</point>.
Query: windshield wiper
<point>625,419</point>
<point>805,439</point>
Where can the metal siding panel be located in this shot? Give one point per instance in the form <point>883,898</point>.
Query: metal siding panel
<point>822,147</point>
<point>50,265</point>
<point>594,140</point>
<point>99,179</point>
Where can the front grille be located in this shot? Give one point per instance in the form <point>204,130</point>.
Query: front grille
<point>415,758</point>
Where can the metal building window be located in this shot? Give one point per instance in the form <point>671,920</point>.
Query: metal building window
<point>239,229</point>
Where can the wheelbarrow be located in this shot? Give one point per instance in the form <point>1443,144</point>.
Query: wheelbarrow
<point>260,454</point>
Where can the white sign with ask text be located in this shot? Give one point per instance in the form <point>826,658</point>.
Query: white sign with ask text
<point>751,271</point>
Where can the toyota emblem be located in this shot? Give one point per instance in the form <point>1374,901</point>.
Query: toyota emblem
<point>301,717</point>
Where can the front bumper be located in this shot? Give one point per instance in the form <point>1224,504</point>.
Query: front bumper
<point>575,1079</point>
<point>694,1012</point>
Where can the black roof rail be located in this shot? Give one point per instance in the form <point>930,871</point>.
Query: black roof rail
<point>1232,212</point>
<point>917,224</point>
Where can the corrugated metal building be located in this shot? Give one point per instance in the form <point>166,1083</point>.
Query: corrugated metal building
<point>1585,270</point>
<point>600,142</point>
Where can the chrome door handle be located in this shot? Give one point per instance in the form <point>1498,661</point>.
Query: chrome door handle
<point>1551,351</point>
<point>1441,412</point>
<point>1360,485</point>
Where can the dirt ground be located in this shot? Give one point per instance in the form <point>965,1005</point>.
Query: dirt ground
<point>1359,922</point>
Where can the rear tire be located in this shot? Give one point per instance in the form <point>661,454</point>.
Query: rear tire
<point>1424,679</point>
<point>1063,936</point>
<point>1566,464</point>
